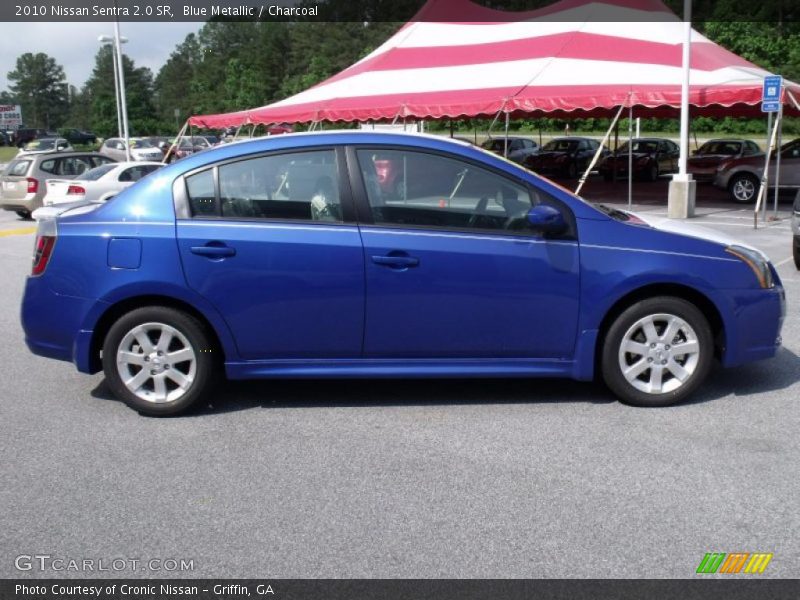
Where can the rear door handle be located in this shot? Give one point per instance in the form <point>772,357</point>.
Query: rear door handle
<point>398,262</point>
<point>214,251</point>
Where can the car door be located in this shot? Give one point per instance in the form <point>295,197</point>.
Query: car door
<point>271,242</point>
<point>790,165</point>
<point>452,271</point>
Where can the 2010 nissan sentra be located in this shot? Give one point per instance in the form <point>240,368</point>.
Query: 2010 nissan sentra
<point>285,257</point>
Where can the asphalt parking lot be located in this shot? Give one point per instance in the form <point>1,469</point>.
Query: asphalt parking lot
<point>507,479</point>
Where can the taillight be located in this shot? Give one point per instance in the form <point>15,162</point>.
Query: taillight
<point>43,249</point>
<point>33,185</point>
<point>75,189</point>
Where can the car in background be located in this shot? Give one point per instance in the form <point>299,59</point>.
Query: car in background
<point>796,231</point>
<point>519,148</point>
<point>44,145</point>
<point>565,157</point>
<point>5,138</point>
<point>211,138</point>
<point>99,184</point>
<point>282,257</point>
<point>651,158</point>
<point>76,136</point>
<point>22,184</point>
<point>742,176</point>
<point>704,161</point>
<point>141,149</point>
<point>186,146</point>
<point>24,135</point>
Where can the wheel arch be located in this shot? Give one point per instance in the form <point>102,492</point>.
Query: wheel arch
<point>116,310</point>
<point>690,294</point>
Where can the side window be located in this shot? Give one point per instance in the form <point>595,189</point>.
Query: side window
<point>419,189</point>
<point>48,166</point>
<point>128,175</point>
<point>200,189</point>
<point>298,186</point>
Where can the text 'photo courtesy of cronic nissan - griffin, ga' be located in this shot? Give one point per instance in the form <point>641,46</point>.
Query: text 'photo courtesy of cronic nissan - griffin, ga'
<point>364,254</point>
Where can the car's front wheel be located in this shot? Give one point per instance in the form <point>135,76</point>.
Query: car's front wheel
<point>743,188</point>
<point>159,360</point>
<point>657,352</point>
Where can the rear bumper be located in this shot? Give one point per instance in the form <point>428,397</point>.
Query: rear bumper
<point>54,324</point>
<point>27,203</point>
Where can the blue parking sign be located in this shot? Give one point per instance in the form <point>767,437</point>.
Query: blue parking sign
<point>771,95</point>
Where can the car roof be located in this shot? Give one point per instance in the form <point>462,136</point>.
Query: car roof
<point>44,155</point>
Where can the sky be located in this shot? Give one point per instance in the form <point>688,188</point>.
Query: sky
<point>74,45</point>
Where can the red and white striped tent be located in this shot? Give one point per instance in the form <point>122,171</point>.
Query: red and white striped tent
<point>573,58</point>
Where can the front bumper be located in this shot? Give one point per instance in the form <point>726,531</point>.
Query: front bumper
<point>754,332</point>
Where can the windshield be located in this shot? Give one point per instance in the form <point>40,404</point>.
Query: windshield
<point>718,147</point>
<point>97,172</point>
<point>141,144</point>
<point>648,147</point>
<point>43,144</point>
<point>560,146</point>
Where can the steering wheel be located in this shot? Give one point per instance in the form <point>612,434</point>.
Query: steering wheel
<point>480,210</point>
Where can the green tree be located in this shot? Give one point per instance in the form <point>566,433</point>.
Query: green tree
<point>99,93</point>
<point>38,82</point>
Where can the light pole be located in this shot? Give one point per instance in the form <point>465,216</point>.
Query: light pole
<point>119,84</point>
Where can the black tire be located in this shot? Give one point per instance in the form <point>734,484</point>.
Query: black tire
<point>572,170</point>
<point>796,252</point>
<point>698,366</point>
<point>652,172</point>
<point>199,339</point>
<point>24,214</point>
<point>743,188</point>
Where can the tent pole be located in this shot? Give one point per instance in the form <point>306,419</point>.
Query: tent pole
<point>794,100</point>
<point>497,116</point>
<point>630,156</point>
<point>779,117</point>
<point>599,150</point>
<point>763,185</point>
<point>238,129</point>
<point>172,147</point>
<point>505,143</point>
<point>616,147</point>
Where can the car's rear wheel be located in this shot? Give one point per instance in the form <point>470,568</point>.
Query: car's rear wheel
<point>796,252</point>
<point>657,352</point>
<point>23,214</point>
<point>159,361</point>
<point>743,188</point>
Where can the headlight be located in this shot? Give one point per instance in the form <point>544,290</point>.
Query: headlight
<point>755,261</point>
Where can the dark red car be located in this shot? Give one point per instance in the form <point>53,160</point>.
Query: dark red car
<point>565,157</point>
<point>651,157</point>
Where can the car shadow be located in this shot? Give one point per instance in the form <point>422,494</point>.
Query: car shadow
<point>778,373</point>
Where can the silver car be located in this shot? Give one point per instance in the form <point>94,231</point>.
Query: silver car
<point>141,149</point>
<point>22,184</point>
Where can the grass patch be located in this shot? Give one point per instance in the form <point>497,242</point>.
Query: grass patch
<point>7,153</point>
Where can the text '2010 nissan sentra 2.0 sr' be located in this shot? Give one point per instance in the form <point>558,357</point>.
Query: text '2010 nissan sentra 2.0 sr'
<point>291,257</point>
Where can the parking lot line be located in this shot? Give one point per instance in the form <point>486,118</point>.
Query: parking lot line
<point>784,261</point>
<point>19,231</point>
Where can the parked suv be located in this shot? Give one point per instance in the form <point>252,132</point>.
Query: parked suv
<point>25,135</point>
<point>76,136</point>
<point>141,149</point>
<point>742,176</point>
<point>22,184</point>
<point>283,257</point>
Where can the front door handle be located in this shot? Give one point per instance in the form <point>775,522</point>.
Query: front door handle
<point>396,262</point>
<point>214,251</point>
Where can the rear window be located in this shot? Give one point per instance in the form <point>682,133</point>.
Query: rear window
<point>18,167</point>
<point>96,173</point>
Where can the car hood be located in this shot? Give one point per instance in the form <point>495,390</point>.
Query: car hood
<point>681,227</point>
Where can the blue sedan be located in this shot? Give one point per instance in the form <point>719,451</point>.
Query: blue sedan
<point>287,257</point>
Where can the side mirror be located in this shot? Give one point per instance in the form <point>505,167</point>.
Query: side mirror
<point>546,219</point>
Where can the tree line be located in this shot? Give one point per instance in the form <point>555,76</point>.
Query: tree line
<point>229,66</point>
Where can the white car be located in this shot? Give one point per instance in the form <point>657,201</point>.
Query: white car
<point>142,149</point>
<point>44,145</point>
<point>99,184</point>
